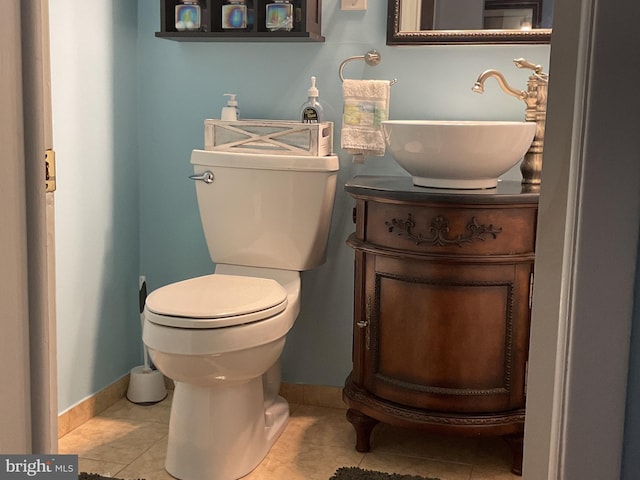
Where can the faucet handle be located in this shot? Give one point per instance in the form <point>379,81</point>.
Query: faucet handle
<point>537,69</point>
<point>522,63</point>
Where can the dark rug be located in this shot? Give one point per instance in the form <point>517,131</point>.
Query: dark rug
<point>354,473</point>
<point>95,476</point>
<point>344,473</point>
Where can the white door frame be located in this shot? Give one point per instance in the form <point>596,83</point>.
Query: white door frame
<point>15,411</point>
<point>587,246</point>
<point>28,413</point>
<point>36,70</point>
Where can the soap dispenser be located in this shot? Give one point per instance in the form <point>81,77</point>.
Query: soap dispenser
<point>311,111</point>
<point>230,111</point>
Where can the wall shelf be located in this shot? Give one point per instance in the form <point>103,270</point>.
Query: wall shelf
<point>306,25</point>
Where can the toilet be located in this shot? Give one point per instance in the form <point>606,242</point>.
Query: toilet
<point>219,337</point>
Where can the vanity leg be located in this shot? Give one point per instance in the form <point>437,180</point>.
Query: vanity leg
<point>516,442</point>
<point>363,426</point>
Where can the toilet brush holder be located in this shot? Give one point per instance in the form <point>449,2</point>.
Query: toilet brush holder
<point>146,386</point>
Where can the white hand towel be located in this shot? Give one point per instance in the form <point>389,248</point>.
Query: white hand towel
<point>366,105</point>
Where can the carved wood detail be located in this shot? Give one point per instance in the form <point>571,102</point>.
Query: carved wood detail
<point>361,396</point>
<point>439,231</point>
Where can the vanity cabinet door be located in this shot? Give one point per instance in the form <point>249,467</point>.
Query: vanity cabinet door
<point>443,335</point>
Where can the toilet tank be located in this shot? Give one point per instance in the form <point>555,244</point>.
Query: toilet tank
<point>266,210</point>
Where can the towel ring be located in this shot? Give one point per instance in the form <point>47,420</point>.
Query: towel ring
<point>372,58</point>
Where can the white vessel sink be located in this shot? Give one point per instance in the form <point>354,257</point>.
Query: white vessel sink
<point>457,154</point>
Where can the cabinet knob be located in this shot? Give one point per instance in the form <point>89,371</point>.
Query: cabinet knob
<point>362,324</point>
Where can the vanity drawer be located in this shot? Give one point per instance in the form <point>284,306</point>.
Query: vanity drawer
<point>449,230</point>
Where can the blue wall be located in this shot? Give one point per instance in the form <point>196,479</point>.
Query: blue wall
<point>94,81</point>
<point>181,84</point>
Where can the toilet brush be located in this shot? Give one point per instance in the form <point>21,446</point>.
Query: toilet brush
<point>146,384</point>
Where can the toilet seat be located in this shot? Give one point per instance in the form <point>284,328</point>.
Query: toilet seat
<point>215,301</point>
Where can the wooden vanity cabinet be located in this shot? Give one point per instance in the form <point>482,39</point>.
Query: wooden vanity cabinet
<point>442,294</point>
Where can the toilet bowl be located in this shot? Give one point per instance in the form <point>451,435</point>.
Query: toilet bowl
<point>223,358</point>
<point>219,337</point>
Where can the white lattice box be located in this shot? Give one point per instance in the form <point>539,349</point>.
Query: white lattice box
<point>277,137</point>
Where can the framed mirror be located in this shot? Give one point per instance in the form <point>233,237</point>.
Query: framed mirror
<point>425,22</point>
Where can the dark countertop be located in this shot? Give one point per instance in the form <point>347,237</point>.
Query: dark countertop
<point>402,188</point>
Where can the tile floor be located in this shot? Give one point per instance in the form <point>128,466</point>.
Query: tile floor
<point>129,441</point>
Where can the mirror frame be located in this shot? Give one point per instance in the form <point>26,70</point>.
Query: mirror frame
<point>456,37</point>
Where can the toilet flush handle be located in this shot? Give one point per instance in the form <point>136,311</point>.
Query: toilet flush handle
<point>206,177</point>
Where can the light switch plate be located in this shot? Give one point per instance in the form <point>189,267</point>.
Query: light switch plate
<point>353,5</point>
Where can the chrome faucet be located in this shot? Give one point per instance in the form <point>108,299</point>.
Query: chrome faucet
<point>535,97</point>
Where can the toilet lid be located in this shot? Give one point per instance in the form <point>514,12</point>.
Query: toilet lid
<point>216,301</point>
